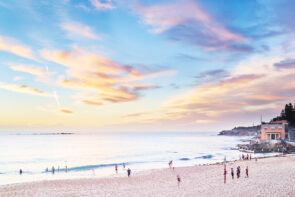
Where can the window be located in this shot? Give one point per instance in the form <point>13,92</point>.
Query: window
<point>272,128</point>
<point>280,127</point>
<point>265,128</point>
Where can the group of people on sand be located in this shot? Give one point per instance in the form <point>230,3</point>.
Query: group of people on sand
<point>123,164</point>
<point>238,171</point>
<point>246,157</point>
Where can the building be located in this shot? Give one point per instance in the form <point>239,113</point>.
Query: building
<point>274,130</point>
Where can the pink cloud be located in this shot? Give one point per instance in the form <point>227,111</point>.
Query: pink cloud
<point>163,17</point>
<point>102,5</point>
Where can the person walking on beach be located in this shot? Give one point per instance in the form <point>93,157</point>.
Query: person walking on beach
<point>224,173</point>
<point>53,169</point>
<point>170,163</point>
<point>247,172</point>
<point>238,172</point>
<point>20,171</point>
<point>178,180</point>
<point>128,172</point>
<point>116,168</point>
<point>124,165</point>
<point>66,169</point>
<point>232,173</point>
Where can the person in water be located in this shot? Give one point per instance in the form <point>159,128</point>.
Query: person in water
<point>116,168</point>
<point>128,172</point>
<point>178,180</point>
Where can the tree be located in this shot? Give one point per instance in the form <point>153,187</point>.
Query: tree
<point>287,114</point>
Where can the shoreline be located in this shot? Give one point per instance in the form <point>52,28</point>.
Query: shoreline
<point>162,182</point>
<point>139,171</point>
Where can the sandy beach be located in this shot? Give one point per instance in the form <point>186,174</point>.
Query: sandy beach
<point>272,176</point>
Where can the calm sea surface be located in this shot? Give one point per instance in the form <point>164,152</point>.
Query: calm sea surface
<point>94,155</point>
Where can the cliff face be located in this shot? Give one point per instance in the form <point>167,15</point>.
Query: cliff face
<point>242,131</point>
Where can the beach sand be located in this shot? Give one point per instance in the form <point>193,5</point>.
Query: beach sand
<point>274,176</point>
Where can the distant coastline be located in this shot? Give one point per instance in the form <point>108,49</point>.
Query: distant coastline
<point>48,133</point>
<point>241,131</point>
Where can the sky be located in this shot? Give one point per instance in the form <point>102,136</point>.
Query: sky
<point>144,65</point>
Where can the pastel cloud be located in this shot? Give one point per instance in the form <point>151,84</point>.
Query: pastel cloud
<point>23,89</point>
<point>12,46</point>
<point>79,29</point>
<point>187,21</point>
<point>102,5</point>
<point>37,71</point>
<point>17,78</point>
<point>285,64</point>
<point>240,93</point>
<point>104,80</point>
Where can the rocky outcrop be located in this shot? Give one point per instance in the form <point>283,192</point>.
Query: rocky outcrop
<point>242,131</point>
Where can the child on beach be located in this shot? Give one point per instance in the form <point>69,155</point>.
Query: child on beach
<point>178,180</point>
<point>128,172</point>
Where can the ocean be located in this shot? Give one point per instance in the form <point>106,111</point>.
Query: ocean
<point>89,155</point>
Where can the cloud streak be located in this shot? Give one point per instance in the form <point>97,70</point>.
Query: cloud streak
<point>31,70</point>
<point>79,29</point>
<point>66,111</point>
<point>23,89</point>
<point>12,46</point>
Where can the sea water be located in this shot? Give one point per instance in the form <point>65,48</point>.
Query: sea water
<point>88,155</point>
